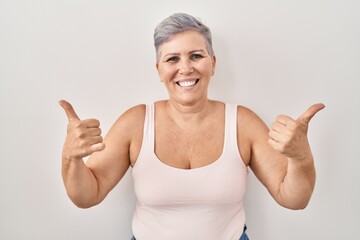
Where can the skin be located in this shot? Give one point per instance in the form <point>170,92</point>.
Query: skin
<point>189,134</point>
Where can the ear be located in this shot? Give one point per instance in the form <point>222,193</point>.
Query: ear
<point>157,68</point>
<point>213,65</point>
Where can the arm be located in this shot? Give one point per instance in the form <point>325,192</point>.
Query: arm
<point>281,158</point>
<point>87,184</point>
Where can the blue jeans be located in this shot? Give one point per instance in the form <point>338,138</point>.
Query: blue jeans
<point>244,236</point>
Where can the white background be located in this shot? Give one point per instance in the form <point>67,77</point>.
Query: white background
<point>276,57</point>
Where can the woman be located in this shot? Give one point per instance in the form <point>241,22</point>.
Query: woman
<point>189,154</point>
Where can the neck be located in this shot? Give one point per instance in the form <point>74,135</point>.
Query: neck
<point>188,113</point>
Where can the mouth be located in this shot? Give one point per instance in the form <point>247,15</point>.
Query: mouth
<point>187,83</point>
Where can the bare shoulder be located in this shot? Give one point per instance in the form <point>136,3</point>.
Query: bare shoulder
<point>134,112</point>
<point>129,126</point>
<point>248,119</point>
<point>131,118</point>
<point>250,130</point>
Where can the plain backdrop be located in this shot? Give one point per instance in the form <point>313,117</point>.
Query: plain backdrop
<point>275,57</point>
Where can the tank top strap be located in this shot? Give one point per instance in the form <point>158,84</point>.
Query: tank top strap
<point>149,126</point>
<point>231,130</point>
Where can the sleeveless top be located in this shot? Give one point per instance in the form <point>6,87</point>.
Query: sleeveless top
<point>200,203</point>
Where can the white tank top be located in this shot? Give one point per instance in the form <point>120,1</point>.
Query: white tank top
<point>201,203</point>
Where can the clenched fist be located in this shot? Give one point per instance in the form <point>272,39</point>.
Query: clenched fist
<point>83,136</point>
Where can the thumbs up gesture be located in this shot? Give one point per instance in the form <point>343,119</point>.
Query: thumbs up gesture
<point>83,136</point>
<point>289,136</point>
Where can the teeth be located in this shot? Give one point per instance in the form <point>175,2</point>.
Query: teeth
<point>187,83</point>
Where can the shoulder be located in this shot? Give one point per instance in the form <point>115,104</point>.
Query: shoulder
<point>248,116</point>
<point>249,122</point>
<point>131,121</point>
<point>135,113</point>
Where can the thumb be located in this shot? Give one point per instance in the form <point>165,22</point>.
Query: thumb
<point>310,112</point>
<point>69,110</point>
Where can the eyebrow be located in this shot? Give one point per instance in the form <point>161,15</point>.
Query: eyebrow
<point>177,54</point>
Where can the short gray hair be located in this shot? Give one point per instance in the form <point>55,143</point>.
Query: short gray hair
<point>177,23</point>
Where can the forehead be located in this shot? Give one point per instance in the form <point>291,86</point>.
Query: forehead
<point>184,42</point>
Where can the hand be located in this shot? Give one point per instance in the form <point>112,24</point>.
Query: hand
<point>289,137</point>
<point>83,136</point>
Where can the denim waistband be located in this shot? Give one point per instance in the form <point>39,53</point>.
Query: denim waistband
<point>243,236</point>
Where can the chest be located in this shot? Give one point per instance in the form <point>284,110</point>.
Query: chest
<point>191,147</point>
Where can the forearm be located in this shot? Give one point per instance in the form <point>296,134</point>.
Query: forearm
<point>298,183</point>
<point>80,183</point>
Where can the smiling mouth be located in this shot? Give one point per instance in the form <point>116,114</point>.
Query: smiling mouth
<point>188,83</point>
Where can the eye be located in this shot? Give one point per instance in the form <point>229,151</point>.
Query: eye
<point>196,56</point>
<point>172,59</point>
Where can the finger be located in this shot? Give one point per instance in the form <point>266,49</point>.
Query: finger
<point>310,112</point>
<point>273,136</point>
<point>90,145</point>
<point>95,140</point>
<point>91,149</point>
<point>278,127</point>
<point>277,137</point>
<point>274,144</point>
<point>93,132</point>
<point>284,120</point>
<point>97,147</point>
<point>69,110</point>
<point>91,123</point>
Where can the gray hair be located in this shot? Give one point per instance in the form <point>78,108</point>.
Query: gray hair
<point>177,23</point>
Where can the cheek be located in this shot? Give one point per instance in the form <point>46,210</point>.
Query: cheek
<point>206,69</point>
<point>166,74</point>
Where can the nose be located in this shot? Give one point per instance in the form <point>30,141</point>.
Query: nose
<point>185,67</point>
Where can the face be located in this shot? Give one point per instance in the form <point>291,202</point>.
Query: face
<point>185,67</point>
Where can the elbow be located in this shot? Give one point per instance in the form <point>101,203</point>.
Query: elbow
<point>295,205</point>
<point>83,205</point>
<point>297,202</point>
<point>81,202</point>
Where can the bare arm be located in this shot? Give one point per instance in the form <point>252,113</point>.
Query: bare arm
<point>87,184</point>
<point>282,160</point>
